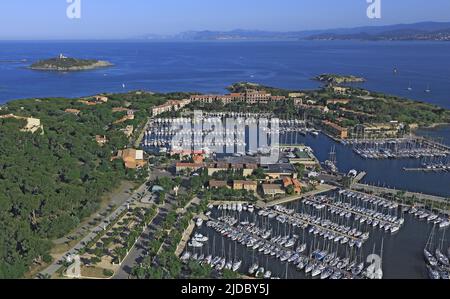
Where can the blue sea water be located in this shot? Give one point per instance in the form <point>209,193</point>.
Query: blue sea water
<point>211,66</point>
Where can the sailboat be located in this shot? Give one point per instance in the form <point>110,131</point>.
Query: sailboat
<point>428,90</point>
<point>409,86</point>
<point>428,256</point>
<point>439,255</point>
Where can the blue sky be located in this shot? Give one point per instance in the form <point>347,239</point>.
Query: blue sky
<point>46,19</point>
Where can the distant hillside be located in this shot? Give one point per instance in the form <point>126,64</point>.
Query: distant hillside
<point>416,31</point>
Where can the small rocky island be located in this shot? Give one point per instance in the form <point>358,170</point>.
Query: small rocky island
<point>66,64</point>
<point>339,79</point>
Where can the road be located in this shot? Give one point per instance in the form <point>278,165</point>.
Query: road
<point>51,270</point>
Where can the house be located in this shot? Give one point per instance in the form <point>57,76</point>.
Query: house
<point>339,89</point>
<point>247,169</point>
<point>132,158</point>
<point>391,129</point>
<point>292,182</point>
<point>272,189</point>
<point>245,185</point>
<point>101,140</point>
<point>335,129</point>
<point>189,167</point>
<point>72,111</point>
<point>280,170</point>
<point>198,159</point>
<point>213,184</point>
<point>100,98</point>
<point>171,105</point>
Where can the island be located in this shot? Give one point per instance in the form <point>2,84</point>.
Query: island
<point>67,64</point>
<point>339,79</point>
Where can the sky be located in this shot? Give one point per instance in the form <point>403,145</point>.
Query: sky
<point>109,19</point>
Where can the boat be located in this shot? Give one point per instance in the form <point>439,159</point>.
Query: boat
<point>199,222</point>
<point>236,265</point>
<point>195,244</point>
<point>394,229</point>
<point>441,257</point>
<point>429,258</point>
<point>432,273</point>
<point>267,275</point>
<point>185,257</point>
<point>253,268</point>
<point>309,267</point>
<point>260,272</point>
<point>327,273</point>
<point>444,224</point>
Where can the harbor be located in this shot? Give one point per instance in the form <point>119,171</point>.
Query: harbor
<point>323,236</point>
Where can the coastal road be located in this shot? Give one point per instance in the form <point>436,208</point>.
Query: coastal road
<point>51,270</point>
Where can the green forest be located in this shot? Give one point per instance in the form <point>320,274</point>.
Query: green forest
<point>52,179</point>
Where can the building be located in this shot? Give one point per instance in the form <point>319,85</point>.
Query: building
<point>250,96</point>
<point>335,129</point>
<point>132,158</point>
<point>304,156</point>
<point>171,105</point>
<point>379,130</point>
<point>187,167</point>
<point>213,184</point>
<point>72,111</point>
<point>292,182</point>
<point>340,89</point>
<point>100,98</point>
<point>198,159</point>
<point>101,140</point>
<point>272,189</point>
<point>279,171</point>
<point>247,169</point>
<point>245,185</point>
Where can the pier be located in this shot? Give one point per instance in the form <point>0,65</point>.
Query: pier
<point>320,189</point>
<point>346,210</point>
<point>242,230</point>
<point>308,222</point>
<point>420,196</point>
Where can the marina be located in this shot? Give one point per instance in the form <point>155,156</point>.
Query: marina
<point>400,148</point>
<point>322,236</point>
